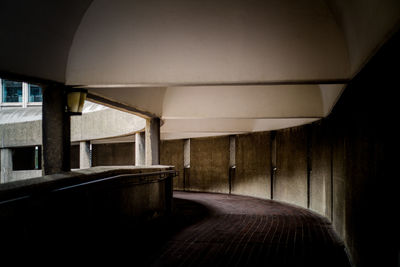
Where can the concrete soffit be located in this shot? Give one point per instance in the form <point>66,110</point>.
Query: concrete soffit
<point>219,67</point>
<point>224,71</point>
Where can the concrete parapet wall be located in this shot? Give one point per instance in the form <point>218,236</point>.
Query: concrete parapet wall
<point>22,175</point>
<point>71,206</point>
<point>105,123</point>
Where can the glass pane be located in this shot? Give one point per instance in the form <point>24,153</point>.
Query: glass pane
<point>12,91</point>
<point>35,93</point>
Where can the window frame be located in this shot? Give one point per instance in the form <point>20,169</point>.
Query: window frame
<point>10,104</point>
<point>28,95</point>
<point>25,98</point>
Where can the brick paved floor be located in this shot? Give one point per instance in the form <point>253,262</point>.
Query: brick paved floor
<point>245,231</point>
<point>204,230</point>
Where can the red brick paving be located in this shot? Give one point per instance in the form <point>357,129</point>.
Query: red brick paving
<point>245,231</point>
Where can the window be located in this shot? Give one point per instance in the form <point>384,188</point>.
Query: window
<point>35,93</point>
<point>12,91</point>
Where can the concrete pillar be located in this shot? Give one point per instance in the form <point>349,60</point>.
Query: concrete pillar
<point>232,151</point>
<point>140,152</point>
<point>232,161</point>
<point>186,164</point>
<point>84,155</point>
<point>152,145</point>
<point>186,153</point>
<point>6,165</point>
<point>56,131</point>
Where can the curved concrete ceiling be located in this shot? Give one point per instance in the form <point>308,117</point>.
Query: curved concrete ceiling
<point>208,67</point>
<point>199,111</point>
<point>240,101</point>
<point>36,36</point>
<point>192,42</point>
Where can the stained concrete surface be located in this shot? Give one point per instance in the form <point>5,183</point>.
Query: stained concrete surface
<point>290,184</point>
<point>172,153</point>
<point>209,164</point>
<point>113,154</point>
<point>253,165</point>
<point>321,169</point>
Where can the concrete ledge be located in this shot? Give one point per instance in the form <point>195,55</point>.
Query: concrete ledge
<point>50,182</point>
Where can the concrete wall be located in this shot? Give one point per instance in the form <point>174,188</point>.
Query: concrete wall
<point>290,184</point>
<point>209,164</point>
<point>253,165</point>
<point>100,124</point>
<point>344,167</point>
<point>320,186</point>
<point>85,204</point>
<point>117,154</point>
<point>172,154</point>
<point>22,175</point>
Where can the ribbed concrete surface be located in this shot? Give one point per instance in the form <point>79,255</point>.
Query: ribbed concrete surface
<point>244,231</point>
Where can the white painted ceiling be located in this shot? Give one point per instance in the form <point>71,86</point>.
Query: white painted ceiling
<point>205,67</point>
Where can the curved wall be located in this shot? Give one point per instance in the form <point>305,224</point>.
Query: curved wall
<point>97,124</point>
<point>343,166</point>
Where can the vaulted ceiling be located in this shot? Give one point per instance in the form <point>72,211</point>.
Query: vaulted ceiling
<point>205,67</point>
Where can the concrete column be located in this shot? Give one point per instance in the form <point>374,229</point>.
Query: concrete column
<point>186,164</point>
<point>84,155</point>
<point>140,152</point>
<point>232,151</point>
<point>6,165</point>
<point>186,153</point>
<point>232,161</point>
<point>25,95</point>
<point>152,145</point>
<point>56,131</point>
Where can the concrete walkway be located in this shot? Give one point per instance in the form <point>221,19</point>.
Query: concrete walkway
<point>204,230</point>
<point>244,231</point>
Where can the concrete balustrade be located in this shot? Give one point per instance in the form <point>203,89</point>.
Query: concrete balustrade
<point>80,202</point>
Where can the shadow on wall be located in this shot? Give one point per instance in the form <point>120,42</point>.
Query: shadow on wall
<point>343,167</point>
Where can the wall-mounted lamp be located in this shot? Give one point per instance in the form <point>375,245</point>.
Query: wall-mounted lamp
<point>75,99</point>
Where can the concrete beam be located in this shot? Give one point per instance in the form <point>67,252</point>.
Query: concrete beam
<point>140,151</point>
<point>152,146</point>
<point>56,128</point>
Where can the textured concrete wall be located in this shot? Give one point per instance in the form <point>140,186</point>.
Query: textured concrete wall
<point>172,155</point>
<point>209,164</point>
<point>253,165</point>
<point>321,169</point>
<point>21,134</point>
<point>344,167</point>
<point>22,175</point>
<point>83,207</point>
<point>92,125</point>
<point>290,183</point>
<point>118,154</point>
